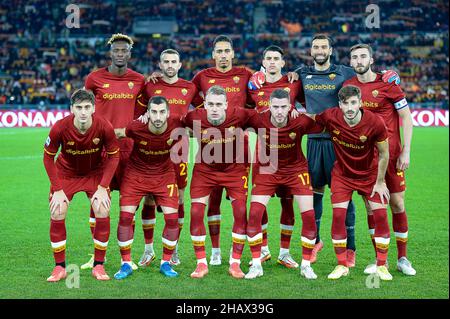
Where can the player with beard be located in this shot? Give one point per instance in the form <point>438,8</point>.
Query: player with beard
<point>116,89</point>
<point>179,94</point>
<point>321,84</point>
<point>273,62</point>
<point>388,101</point>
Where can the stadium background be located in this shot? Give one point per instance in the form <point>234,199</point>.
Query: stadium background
<point>42,61</point>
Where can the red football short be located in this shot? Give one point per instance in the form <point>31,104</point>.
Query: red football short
<point>282,191</point>
<point>118,175</point>
<point>181,171</point>
<point>163,187</point>
<point>395,179</point>
<point>73,185</point>
<point>234,180</point>
<point>343,187</point>
<point>284,185</point>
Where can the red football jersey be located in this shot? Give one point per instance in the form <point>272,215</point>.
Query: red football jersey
<point>234,82</point>
<point>384,99</point>
<point>179,94</point>
<point>224,134</point>
<point>81,154</point>
<point>151,152</point>
<point>261,96</point>
<point>355,147</point>
<point>115,97</point>
<point>287,141</point>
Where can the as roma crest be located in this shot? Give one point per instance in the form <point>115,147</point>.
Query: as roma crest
<point>96,140</point>
<point>293,135</point>
<point>131,85</point>
<point>375,93</point>
<point>236,79</point>
<point>363,138</point>
<point>332,76</point>
<point>336,132</point>
<point>184,91</point>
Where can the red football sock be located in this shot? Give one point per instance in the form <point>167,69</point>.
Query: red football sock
<point>125,234</point>
<point>371,223</point>
<point>198,230</point>
<point>92,221</point>
<point>309,231</point>
<point>101,237</point>
<point>287,220</point>
<point>382,235</point>
<point>339,235</point>
<point>58,239</point>
<point>254,229</point>
<point>214,216</point>
<point>239,227</point>
<point>400,225</point>
<point>180,218</point>
<point>148,222</point>
<point>264,222</point>
<point>170,235</point>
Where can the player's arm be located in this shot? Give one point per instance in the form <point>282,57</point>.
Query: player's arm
<point>383,160</point>
<point>198,99</point>
<point>407,125</point>
<point>50,149</point>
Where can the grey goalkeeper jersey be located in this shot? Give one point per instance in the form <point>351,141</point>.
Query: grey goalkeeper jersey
<point>321,88</point>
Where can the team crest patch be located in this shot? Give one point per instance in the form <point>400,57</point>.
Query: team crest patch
<point>184,91</point>
<point>212,81</point>
<point>158,91</point>
<point>260,93</point>
<point>292,135</point>
<point>375,93</point>
<point>336,132</point>
<point>205,132</point>
<point>169,141</point>
<point>287,89</point>
<point>106,85</point>
<point>332,76</point>
<point>363,138</point>
<point>131,85</point>
<point>143,142</point>
<point>236,79</point>
<point>96,140</point>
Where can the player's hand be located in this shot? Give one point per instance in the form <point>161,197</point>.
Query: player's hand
<point>382,190</point>
<point>144,118</point>
<point>390,76</point>
<point>292,77</point>
<point>294,113</point>
<point>57,200</point>
<point>403,161</point>
<point>257,80</point>
<point>154,77</point>
<point>102,198</point>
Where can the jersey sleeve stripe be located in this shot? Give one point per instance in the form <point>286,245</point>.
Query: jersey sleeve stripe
<point>383,141</point>
<point>113,152</point>
<point>199,106</point>
<point>49,153</point>
<point>142,104</point>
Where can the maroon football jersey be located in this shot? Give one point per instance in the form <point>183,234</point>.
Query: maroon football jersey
<point>234,82</point>
<point>354,146</point>
<point>384,99</point>
<point>229,135</point>
<point>261,96</point>
<point>179,94</point>
<point>81,154</point>
<point>115,97</point>
<point>284,143</point>
<point>151,152</point>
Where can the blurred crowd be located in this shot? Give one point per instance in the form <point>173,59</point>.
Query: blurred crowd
<point>41,60</point>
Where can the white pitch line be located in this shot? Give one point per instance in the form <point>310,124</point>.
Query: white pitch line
<point>12,158</point>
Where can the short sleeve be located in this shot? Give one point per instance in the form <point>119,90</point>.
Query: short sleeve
<point>53,140</point>
<point>381,132</point>
<point>89,83</point>
<point>111,142</point>
<point>397,96</point>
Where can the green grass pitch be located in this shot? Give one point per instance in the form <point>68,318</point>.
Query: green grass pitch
<point>26,259</point>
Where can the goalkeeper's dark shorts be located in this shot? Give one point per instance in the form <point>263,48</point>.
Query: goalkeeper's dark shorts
<point>321,157</point>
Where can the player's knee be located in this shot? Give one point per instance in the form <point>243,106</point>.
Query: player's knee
<point>397,204</point>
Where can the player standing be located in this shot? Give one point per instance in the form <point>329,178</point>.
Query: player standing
<point>291,173</point>
<point>150,170</point>
<point>388,101</point>
<point>356,134</point>
<point>116,89</point>
<point>217,129</point>
<point>273,62</point>
<point>179,94</point>
<point>80,167</point>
